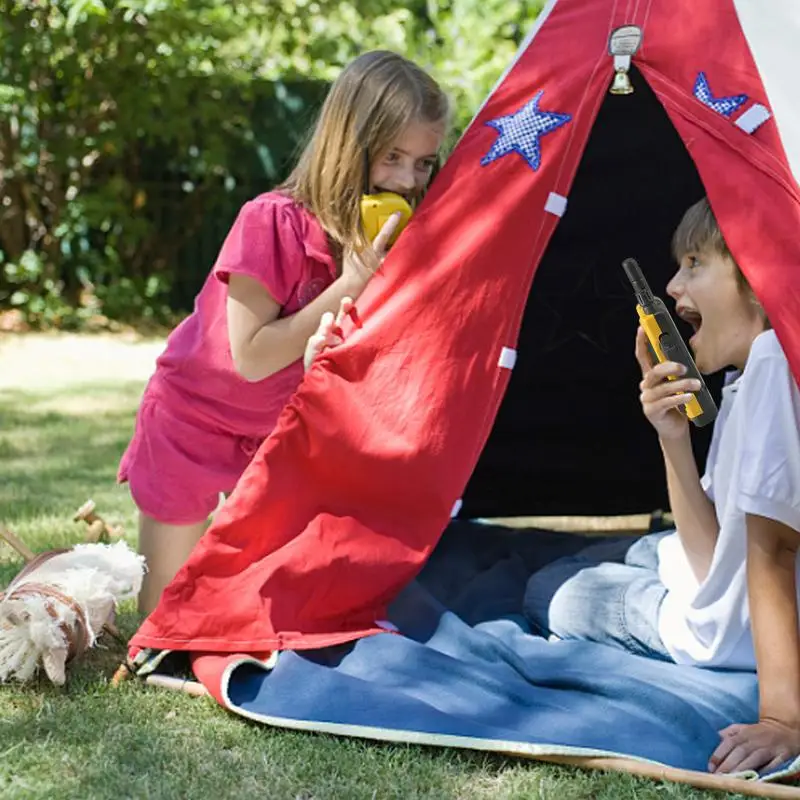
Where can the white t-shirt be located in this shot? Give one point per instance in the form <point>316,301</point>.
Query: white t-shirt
<point>753,468</point>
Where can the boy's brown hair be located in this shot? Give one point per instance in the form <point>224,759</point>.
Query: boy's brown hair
<point>699,232</point>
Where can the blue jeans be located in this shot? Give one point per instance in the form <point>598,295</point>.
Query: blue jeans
<point>608,592</point>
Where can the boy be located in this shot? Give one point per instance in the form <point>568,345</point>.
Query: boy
<point>684,596</point>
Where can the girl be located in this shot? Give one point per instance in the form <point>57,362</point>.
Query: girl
<point>291,256</point>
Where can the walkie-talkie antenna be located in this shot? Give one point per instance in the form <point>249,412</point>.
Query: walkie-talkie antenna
<point>644,295</point>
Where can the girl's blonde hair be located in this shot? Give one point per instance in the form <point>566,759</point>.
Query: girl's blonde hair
<point>374,98</point>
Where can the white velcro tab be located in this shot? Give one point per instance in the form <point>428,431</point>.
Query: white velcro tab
<point>456,508</point>
<point>753,118</point>
<point>556,204</point>
<point>508,357</point>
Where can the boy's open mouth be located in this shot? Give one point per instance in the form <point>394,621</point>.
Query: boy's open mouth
<point>692,317</point>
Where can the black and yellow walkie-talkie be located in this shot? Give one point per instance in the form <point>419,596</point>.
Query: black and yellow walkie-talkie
<point>666,343</point>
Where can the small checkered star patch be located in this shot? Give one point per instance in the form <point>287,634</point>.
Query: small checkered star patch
<point>722,105</point>
<point>521,131</point>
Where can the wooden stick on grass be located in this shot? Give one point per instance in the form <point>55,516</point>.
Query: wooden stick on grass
<point>700,780</point>
<point>194,688</point>
<point>17,544</point>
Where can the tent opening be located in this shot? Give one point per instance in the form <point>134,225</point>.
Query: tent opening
<point>570,437</point>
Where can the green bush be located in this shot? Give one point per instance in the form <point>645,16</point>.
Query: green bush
<point>131,130</point>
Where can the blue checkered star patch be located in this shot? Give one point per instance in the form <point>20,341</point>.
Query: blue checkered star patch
<point>722,105</point>
<point>520,132</point>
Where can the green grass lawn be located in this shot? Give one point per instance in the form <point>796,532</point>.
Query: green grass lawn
<point>67,405</point>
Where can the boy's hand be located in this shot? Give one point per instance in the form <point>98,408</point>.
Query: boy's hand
<point>661,398</point>
<point>329,333</point>
<point>760,747</point>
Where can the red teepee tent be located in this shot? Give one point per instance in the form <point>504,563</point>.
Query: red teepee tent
<point>511,267</point>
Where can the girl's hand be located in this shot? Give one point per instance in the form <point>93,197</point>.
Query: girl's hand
<point>328,334</point>
<point>762,746</point>
<point>661,398</point>
<point>358,268</point>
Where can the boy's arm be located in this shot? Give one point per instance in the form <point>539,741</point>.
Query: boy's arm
<point>694,514</point>
<point>771,584</point>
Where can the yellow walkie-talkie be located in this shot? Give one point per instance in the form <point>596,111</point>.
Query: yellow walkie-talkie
<point>666,343</point>
<point>376,209</point>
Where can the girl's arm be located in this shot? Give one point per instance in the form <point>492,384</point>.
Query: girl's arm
<point>771,587</point>
<point>261,343</point>
<point>328,334</point>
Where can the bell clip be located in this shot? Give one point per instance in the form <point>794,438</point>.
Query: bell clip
<point>623,44</point>
<point>621,83</point>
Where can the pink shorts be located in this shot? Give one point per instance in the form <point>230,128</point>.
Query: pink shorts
<point>177,467</point>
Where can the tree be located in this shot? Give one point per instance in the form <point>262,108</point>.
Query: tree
<point>88,93</point>
<point>103,100</point>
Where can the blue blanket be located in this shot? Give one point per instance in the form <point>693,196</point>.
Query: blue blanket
<point>465,671</point>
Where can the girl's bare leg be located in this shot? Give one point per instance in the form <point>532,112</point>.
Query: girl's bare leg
<point>165,548</point>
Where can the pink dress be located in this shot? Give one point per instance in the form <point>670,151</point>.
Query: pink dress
<point>200,422</point>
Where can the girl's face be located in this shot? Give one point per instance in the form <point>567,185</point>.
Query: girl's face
<point>709,297</point>
<point>405,167</point>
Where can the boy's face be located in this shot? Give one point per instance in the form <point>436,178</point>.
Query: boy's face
<point>709,297</point>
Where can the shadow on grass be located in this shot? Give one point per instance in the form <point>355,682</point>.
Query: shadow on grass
<point>90,740</point>
<point>45,453</point>
<point>56,451</point>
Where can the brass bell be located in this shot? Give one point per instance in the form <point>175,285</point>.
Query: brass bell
<point>621,83</point>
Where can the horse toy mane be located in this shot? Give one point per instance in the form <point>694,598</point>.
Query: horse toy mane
<point>57,606</point>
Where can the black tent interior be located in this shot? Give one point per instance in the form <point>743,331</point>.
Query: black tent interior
<point>570,437</point>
